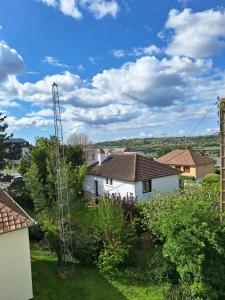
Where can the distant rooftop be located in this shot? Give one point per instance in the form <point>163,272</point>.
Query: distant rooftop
<point>185,158</point>
<point>15,140</point>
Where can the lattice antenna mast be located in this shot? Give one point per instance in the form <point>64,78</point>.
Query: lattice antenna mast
<point>66,248</point>
<point>222,156</point>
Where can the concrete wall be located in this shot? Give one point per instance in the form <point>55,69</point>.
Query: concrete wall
<point>163,184</point>
<point>15,267</point>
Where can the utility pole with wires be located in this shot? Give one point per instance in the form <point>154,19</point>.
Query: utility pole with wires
<point>65,235</point>
<point>222,156</point>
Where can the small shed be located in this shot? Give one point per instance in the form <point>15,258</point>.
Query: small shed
<point>15,265</point>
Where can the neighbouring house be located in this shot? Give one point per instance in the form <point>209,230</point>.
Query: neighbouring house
<point>17,148</point>
<point>189,162</point>
<point>128,173</point>
<point>15,265</point>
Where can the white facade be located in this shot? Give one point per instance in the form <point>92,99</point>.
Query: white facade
<point>162,184</point>
<point>15,274</point>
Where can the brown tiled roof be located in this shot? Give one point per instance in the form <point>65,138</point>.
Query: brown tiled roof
<point>185,158</point>
<point>12,216</point>
<point>130,167</point>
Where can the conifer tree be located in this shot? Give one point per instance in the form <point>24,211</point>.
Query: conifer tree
<point>3,136</point>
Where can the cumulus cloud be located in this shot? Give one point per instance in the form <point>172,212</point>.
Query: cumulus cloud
<point>196,35</point>
<point>27,122</point>
<point>10,61</point>
<point>72,8</point>
<point>53,62</point>
<point>148,80</point>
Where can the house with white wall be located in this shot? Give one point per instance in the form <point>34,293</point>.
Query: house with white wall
<point>128,173</point>
<point>15,265</point>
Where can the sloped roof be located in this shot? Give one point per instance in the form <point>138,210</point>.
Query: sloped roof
<point>12,216</point>
<point>130,167</point>
<point>185,158</point>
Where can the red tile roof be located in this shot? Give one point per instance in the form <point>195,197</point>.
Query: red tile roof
<point>130,167</point>
<point>185,158</point>
<point>12,216</point>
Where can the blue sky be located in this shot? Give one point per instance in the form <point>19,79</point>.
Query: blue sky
<point>125,68</point>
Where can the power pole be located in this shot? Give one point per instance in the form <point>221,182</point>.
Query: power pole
<point>222,156</point>
<point>66,247</point>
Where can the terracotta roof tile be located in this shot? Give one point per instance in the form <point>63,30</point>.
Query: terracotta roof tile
<point>130,167</point>
<point>12,216</point>
<point>185,158</point>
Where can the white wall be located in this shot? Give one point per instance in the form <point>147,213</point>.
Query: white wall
<point>15,268</point>
<point>163,184</point>
<point>119,186</point>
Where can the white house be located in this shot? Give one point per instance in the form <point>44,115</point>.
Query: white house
<point>128,173</point>
<point>15,266</point>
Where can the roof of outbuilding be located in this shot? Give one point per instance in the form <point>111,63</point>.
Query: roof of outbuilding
<point>12,216</point>
<point>185,158</point>
<point>130,167</point>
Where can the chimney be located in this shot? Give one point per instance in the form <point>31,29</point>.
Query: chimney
<point>101,156</point>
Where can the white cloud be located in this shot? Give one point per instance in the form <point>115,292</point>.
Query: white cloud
<point>149,50</point>
<point>69,8</point>
<point>101,8</point>
<point>10,61</point>
<point>137,51</point>
<point>54,62</point>
<point>27,122</point>
<point>50,2</point>
<point>47,112</point>
<point>118,53</point>
<point>72,8</point>
<point>196,35</point>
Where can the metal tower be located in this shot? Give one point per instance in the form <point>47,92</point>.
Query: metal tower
<point>222,156</point>
<point>66,247</point>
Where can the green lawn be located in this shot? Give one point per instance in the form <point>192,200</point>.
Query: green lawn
<point>85,215</point>
<point>84,284</point>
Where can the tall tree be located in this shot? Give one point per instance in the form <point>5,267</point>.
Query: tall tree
<point>40,180</point>
<point>3,136</point>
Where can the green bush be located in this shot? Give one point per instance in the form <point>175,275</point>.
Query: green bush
<point>211,178</point>
<point>87,245</point>
<point>192,239</point>
<point>117,235</point>
<point>112,258</point>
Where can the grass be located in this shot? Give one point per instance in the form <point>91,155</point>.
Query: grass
<point>84,284</point>
<point>85,215</point>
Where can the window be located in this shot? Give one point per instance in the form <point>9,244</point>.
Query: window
<point>111,181</point>
<point>187,169</point>
<point>107,180</point>
<point>146,186</point>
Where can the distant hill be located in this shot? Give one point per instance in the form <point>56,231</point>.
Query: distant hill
<point>165,144</point>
